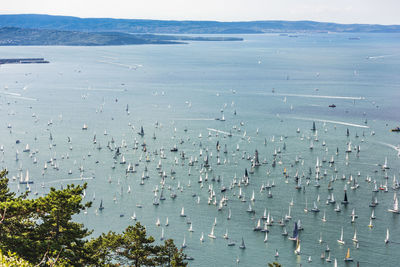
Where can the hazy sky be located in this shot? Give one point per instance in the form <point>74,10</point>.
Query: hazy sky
<point>343,11</point>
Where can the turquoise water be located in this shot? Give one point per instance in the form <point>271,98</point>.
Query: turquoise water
<point>186,87</point>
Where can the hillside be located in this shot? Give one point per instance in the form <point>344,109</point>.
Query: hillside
<point>181,27</point>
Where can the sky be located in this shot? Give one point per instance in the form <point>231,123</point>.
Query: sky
<point>340,11</point>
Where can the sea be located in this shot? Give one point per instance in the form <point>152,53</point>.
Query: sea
<point>221,101</point>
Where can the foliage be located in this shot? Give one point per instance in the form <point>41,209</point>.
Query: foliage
<point>133,248</point>
<point>42,232</point>
<point>12,260</point>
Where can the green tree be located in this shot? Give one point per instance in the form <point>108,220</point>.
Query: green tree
<point>42,232</point>
<point>135,247</point>
<point>169,255</point>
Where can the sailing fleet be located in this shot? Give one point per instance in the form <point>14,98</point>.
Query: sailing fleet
<point>236,175</point>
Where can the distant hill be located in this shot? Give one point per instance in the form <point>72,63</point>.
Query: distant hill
<point>18,36</point>
<point>181,27</point>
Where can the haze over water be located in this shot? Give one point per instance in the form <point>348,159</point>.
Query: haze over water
<point>276,84</point>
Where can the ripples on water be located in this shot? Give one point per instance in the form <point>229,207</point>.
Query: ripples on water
<point>167,89</point>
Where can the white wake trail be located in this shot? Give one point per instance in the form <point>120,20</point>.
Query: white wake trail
<point>330,121</point>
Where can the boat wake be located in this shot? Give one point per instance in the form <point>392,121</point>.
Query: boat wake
<point>397,148</point>
<point>18,96</point>
<point>329,121</point>
<point>97,89</point>
<point>383,56</point>
<point>318,96</point>
<point>67,180</point>
<point>196,119</point>
<point>217,131</point>
<point>135,66</point>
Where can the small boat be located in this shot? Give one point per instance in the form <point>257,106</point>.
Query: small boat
<point>101,205</point>
<point>324,217</point>
<point>266,237</point>
<point>183,212</point>
<point>341,241</point>
<point>348,258</point>
<point>370,225</point>
<point>315,208</point>
<point>395,208</point>
<point>84,127</point>
<point>397,129</point>
<point>297,250</point>
<point>313,127</point>
<point>355,240</point>
<point>162,234</point>
<point>26,180</point>
<point>141,133</point>
<point>184,242</point>
<point>295,233</point>
<point>345,201</point>
<point>242,246</point>
<point>212,235</point>
<point>387,236</point>
<point>226,234</point>
<point>332,106</point>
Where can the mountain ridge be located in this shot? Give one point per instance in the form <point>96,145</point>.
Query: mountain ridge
<point>70,23</point>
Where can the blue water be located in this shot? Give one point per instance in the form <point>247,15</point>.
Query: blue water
<point>187,86</point>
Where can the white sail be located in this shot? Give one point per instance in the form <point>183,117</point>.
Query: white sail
<point>387,235</point>
<point>183,212</point>
<point>211,235</point>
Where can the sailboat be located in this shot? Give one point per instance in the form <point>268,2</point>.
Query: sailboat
<point>162,234</point>
<point>184,242</point>
<point>202,237</point>
<point>315,208</point>
<point>266,237</point>
<point>211,235</point>
<point>284,233</point>
<point>345,201</point>
<point>258,226</point>
<point>370,225</point>
<point>355,240</point>
<point>297,250</point>
<point>348,258</point>
<point>242,246</point>
<point>387,236</point>
<point>373,214</point>
<point>341,241</point>
<point>226,234</point>
<point>26,180</point>
<point>101,205</point>
<point>183,212</point>
<point>395,208</point>
<point>295,232</point>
